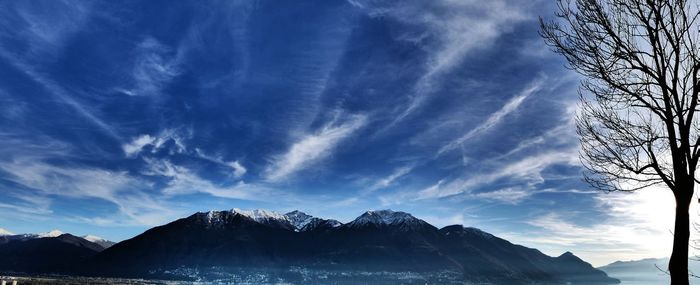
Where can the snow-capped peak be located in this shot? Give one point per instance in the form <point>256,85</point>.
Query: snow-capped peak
<point>4,232</point>
<point>98,240</point>
<point>386,217</point>
<point>403,220</point>
<point>298,219</point>
<point>214,217</point>
<point>260,216</point>
<point>92,238</point>
<point>53,233</point>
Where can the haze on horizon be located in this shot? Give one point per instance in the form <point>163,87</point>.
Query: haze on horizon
<point>116,118</point>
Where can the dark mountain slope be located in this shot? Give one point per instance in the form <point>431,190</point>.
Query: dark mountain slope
<point>203,239</point>
<point>45,255</point>
<point>375,241</point>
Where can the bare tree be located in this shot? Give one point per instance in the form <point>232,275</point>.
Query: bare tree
<point>637,121</point>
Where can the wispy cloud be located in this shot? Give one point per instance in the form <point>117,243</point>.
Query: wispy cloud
<point>28,204</point>
<point>496,117</point>
<point>138,143</point>
<point>45,26</point>
<point>116,187</point>
<point>46,33</point>
<point>238,169</point>
<point>628,230</point>
<point>563,134</point>
<point>182,180</point>
<point>510,195</point>
<point>388,180</point>
<point>60,93</point>
<point>314,147</point>
<point>528,171</point>
<point>155,65</point>
<point>456,24</point>
<point>178,138</point>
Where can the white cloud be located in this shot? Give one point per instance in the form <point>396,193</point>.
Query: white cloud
<point>185,181</point>
<point>117,187</point>
<point>155,65</point>
<point>46,33</point>
<point>27,204</point>
<point>388,180</point>
<point>178,138</point>
<point>634,226</point>
<point>4,232</point>
<point>238,169</point>
<point>57,91</point>
<point>460,28</point>
<point>441,189</point>
<point>510,195</point>
<point>562,135</point>
<point>495,117</point>
<point>47,25</point>
<point>138,143</point>
<point>313,147</point>
<point>527,170</point>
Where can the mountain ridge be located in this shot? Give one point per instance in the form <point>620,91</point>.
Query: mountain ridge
<point>45,254</point>
<point>376,241</point>
<point>645,271</point>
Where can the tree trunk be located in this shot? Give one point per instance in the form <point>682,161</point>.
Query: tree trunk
<point>678,265</point>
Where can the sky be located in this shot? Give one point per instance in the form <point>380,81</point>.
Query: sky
<point>119,116</point>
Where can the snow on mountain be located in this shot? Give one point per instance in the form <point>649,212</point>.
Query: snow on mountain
<point>303,222</point>
<point>4,232</point>
<point>53,233</point>
<point>298,219</point>
<point>214,217</point>
<point>92,238</point>
<point>258,215</point>
<point>383,217</point>
<point>316,223</point>
<point>261,216</point>
<point>98,240</point>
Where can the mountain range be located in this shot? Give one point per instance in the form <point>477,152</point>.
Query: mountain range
<point>45,253</point>
<point>208,244</point>
<point>646,271</point>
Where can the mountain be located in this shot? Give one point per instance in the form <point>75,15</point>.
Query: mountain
<point>376,242</point>
<point>645,271</point>
<point>579,271</point>
<point>265,217</point>
<point>31,254</point>
<point>298,219</point>
<point>303,222</point>
<point>389,219</point>
<point>6,236</point>
<point>52,233</point>
<point>215,238</point>
<point>98,240</point>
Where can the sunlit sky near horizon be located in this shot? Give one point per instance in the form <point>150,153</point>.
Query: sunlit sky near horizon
<point>119,116</point>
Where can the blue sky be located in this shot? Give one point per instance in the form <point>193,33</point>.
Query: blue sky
<point>119,116</point>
